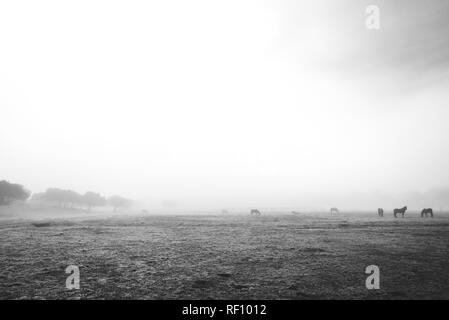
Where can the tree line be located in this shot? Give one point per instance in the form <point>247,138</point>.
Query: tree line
<point>64,198</point>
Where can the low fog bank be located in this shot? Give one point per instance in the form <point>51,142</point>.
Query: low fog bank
<point>437,198</point>
<point>16,202</point>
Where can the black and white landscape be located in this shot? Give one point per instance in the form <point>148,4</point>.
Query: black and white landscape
<point>224,149</point>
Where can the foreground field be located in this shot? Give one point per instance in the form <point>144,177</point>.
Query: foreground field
<point>225,257</point>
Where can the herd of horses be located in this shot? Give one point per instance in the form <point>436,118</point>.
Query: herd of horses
<point>426,212</point>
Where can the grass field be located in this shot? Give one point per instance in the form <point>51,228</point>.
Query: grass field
<point>280,256</point>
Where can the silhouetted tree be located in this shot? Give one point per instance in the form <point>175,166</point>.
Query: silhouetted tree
<point>92,199</point>
<point>119,202</point>
<point>64,198</point>
<point>10,192</point>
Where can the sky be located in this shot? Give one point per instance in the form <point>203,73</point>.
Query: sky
<point>226,103</point>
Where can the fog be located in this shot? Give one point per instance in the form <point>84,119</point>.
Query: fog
<point>227,104</point>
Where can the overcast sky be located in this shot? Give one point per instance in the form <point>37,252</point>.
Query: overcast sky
<point>225,102</point>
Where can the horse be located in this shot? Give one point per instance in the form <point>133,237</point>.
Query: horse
<point>334,210</point>
<point>224,211</point>
<point>255,212</point>
<point>380,212</point>
<point>427,211</point>
<point>401,211</point>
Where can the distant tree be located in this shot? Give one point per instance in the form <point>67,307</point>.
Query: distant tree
<point>10,192</point>
<point>119,202</point>
<point>64,198</point>
<point>73,198</point>
<point>92,199</point>
<point>54,195</point>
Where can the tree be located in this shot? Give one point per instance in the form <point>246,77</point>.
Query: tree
<point>10,192</point>
<point>119,202</point>
<point>64,198</point>
<point>92,199</point>
<point>73,198</point>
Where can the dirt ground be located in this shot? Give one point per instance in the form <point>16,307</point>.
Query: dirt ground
<point>281,256</point>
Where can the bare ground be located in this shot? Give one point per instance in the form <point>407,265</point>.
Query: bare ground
<point>225,257</point>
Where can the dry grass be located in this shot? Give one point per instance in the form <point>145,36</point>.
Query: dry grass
<point>225,257</point>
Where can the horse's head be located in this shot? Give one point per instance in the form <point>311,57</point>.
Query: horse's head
<point>405,208</point>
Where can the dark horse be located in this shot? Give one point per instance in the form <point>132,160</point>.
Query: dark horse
<point>380,212</point>
<point>255,212</point>
<point>401,211</point>
<point>426,212</point>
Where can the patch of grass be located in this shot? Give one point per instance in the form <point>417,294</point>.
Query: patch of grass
<point>224,257</point>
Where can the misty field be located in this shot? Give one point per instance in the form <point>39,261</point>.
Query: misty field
<point>281,256</point>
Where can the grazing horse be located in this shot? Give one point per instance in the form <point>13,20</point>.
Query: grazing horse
<point>334,210</point>
<point>427,211</point>
<point>255,212</point>
<point>401,211</point>
<point>380,212</point>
